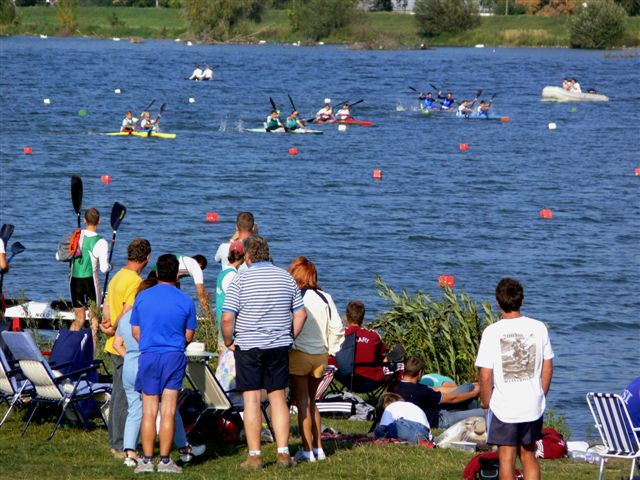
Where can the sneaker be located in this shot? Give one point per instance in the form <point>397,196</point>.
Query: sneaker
<point>144,467</point>
<point>320,456</point>
<point>130,461</point>
<point>301,457</point>
<point>252,463</point>
<point>169,467</point>
<point>284,460</point>
<point>190,451</point>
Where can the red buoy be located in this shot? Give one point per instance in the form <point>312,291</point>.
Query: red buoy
<point>546,213</point>
<point>464,147</point>
<point>446,281</point>
<point>293,151</point>
<point>28,150</point>
<point>212,217</point>
<point>377,174</point>
<point>638,172</point>
<point>105,179</point>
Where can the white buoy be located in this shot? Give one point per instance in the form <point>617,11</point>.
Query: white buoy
<point>117,91</point>
<point>552,126</point>
<point>47,101</point>
<point>192,100</point>
<point>480,45</point>
<point>44,37</point>
<point>262,42</point>
<point>320,43</point>
<point>116,39</point>
<point>177,40</point>
<point>342,128</point>
<point>189,44</point>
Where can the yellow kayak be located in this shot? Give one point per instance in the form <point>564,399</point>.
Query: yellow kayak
<point>141,134</point>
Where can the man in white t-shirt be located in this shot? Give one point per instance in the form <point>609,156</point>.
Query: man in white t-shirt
<point>516,366</point>
<point>245,227</point>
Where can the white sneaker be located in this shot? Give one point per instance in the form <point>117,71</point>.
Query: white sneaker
<point>169,467</point>
<point>320,456</point>
<point>301,457</point>
<point>144,467</point>
<point>190,451</point>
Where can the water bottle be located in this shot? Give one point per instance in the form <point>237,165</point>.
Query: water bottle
<point>593,457</point>
<point>578,455</point>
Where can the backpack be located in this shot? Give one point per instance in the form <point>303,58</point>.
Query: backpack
<point>69,246</point>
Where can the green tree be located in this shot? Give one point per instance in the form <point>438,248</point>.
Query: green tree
<point>67,15</point>
<point>601,24</point>
<point>218,19</point>
<point>445,16</point>
<point>317,19</point>
<point>632,7</point>
<point>8,13</point>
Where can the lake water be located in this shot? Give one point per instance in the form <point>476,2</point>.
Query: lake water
<point>436,211</point>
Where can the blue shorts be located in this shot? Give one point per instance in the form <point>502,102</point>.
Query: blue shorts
<point>512,434</point>
<point>160,371</point>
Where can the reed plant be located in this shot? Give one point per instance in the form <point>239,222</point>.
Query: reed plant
<point>445,333</point>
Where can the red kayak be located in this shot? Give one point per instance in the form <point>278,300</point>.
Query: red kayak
<point>347,121</point>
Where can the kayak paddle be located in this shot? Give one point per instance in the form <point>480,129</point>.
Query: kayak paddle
<point>435,88</point>
<point>162,108</point>
<point>479,92</point>
<point>16,249</point>
<point>275,109</point>
<point>5,233</point>
<point>76,195</point>
<point>118,211</point>
<point>293,105</point>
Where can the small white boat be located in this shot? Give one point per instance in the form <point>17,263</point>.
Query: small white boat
<point>558,94</point>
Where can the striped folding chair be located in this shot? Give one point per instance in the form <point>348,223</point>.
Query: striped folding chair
<point>618,434</point>
<point>326,405</point>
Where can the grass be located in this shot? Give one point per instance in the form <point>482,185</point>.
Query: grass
<point>374,30</point>
<point>79,454</point>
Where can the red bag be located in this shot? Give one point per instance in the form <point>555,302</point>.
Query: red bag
<point>472,469</point>
<point>552,444</point>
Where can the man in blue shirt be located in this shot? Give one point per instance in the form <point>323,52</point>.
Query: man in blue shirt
<point>631,396</point>
<point>163,321</point>
<point>261,315</point>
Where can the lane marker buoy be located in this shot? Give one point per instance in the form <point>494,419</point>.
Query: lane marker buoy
<point>342,128</point>
<point>546,213</point>
<point>377,174</point>
<point>552,126</point>
<point>638,172</point>
<point>83,112</point>
<point>117,91</point>
<point>105,179</point>
<point>47,101</point>
<point>192,100</point>
<point>28,150</point>
<point>446,281</point>
<point>293,151</point>
<point>213,217</point>
<point>464,147</point>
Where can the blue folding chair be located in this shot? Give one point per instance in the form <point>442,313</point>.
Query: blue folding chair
<point>53,388</point>
<point>13,388</point>
<point>618,434</point>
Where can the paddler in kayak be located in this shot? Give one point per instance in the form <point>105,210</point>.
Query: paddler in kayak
<point>129,123</point>
<point>448,102</point>
<point>197,74</point>
<point>483,108</point>
<point>427,102</point>
<point>566,84</point>
<point>465,108</point>
<point>273,121</point>
<point>575,86</point>
<point>343,113</point>
<point>148,125</point>
<point>293,122</point>
<point>325,114</point>
<point>207,74</point>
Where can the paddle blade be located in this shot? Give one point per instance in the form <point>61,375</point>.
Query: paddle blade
<point>162,108</point>
<point>493,96</point>
<point>356,103</point>
<point>434,87</point>
<point>5,232</point>
<point>413,88</point>
<point>273,104</point>
<point>118,211</point>
<point>293,105</point>
<point>17,248</point>
<point>76,193</point>
<point>478,93</point>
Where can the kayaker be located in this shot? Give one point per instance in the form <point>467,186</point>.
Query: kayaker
<point>293,122</point>
<point>465,108</point>
<point>575,86</point>
<point>427,102</point>
<point>343,113</point>
<point>447,102</point>
<point>325,114</point>
<point>146,124</point>
<point>129,123</point>
<point>273,121</point>
<point>566,84</point>
<point>207,74</point>
<point>483,108</point>
<point>197,73</point>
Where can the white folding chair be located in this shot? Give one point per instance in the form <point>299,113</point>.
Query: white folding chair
<point>618,434</point>
<point>13,388</point>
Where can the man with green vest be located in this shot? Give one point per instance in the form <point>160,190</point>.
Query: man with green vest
<point>84,284</point>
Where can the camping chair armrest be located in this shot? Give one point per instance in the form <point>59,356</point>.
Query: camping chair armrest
<point>82,372</point>
<point>58,366</point>
<point>101,363</point>
<point>13,371</point>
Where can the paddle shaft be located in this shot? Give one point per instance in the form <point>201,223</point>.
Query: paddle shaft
<point>106,277</point>
<point>118,211</point>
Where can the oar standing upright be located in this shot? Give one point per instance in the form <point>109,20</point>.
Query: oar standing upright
<point>118,211</point>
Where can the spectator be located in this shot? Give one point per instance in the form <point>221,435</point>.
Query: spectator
<point>245,227</point>
<point>120,297</point>
<point>163,321</point>
<point>631,396</point>
<point>431,401</point>
<point>263,308</point>
<point>402,420</point>
<point>235,258</point>
<point>127,347</point>
<point>4,265</point>
<point>516,365</point>
<point>320,337</point>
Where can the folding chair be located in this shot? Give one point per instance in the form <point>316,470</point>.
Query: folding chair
<point>326,405</point>
<point>203,380</point>
<point>13,388</point>
<point>51,388</point>
<point>618,434</point>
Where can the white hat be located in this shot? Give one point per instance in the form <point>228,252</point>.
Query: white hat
<point>327,100</point>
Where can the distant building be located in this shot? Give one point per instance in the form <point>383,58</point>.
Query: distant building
<point>407,6</point>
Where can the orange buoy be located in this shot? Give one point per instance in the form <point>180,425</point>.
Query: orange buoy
<point>212,217</point>
<point>377,174</point>
<point>105,179</point>
<point>446,281</point>
<point>638,172</point>
<point>293,151</point>
<point>546,213</point>
<point>28,150</point>
<point>464,147</point>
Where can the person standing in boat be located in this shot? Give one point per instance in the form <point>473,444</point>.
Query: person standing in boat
<point>344,113</point>
<point>197,73</point>
<point>293,122</point>
<point>325,114</point>
<point>427,102</point>
<point>129,123</point>
<point>207,74</point>
<point>448,102</point>
<point>273,121</point>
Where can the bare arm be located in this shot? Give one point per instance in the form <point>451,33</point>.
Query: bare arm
<point>108,327</point>
<point>135,331</point>
<point>457,397</point>
<point>547,374</point>
<point>226,324</point>
<point>299,317</point>
<point>4,265</point>
<point>204,299</point>
<point>189,336</point>
<point>486,386</point>
<point>118,345</point>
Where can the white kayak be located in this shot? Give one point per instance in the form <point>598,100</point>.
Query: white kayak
<point>307,131</point>
<point>39,311</point>
<point>559,94</point>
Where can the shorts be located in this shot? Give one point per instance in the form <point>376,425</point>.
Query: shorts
<point>160,371</point>
<point>259,368</point>
<point>83,290</point>
<point>512,434</point>
<point>306,364</point>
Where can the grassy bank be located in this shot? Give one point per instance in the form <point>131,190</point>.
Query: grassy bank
<point>373,30</point>
<point>77,454</point>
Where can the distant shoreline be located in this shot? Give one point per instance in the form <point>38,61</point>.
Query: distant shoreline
<point>380,31</point>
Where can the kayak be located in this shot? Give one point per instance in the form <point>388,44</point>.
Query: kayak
<point>141,134</point>
<point>282,130</point>
<point>431,111</point>
<point>347,121</point>
<point>558,94</point>
<point>483,117</point>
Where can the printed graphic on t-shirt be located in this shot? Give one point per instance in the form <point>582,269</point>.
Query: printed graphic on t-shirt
<point>518,357</point>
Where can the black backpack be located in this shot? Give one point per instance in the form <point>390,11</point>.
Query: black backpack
<point>489,469</point>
